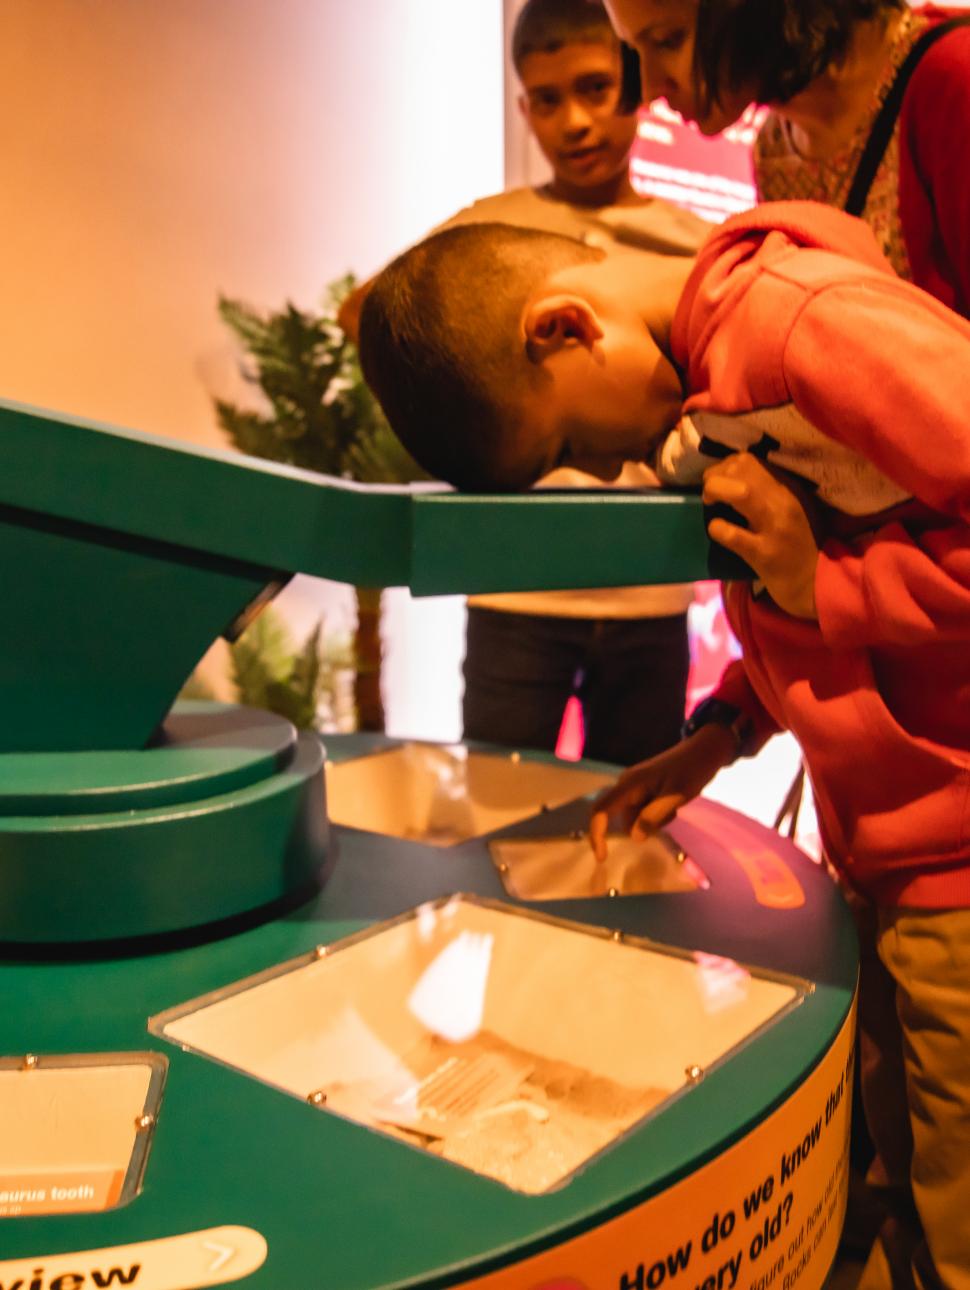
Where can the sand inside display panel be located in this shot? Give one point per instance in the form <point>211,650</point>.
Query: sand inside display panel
<point>510,1043</point>
<point>564,867</point>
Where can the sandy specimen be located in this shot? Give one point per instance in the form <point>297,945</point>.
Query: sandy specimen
<point>525,1120</point>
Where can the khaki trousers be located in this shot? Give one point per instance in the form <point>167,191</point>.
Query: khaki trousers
<point>914,1053</point>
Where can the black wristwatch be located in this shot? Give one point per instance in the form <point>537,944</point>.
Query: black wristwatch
<point>715,711</point>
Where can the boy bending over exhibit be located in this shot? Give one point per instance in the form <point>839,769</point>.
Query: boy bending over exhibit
<point>805,386</point>
<point>623,651</point>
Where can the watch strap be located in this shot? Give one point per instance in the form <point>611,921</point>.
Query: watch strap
<point>715,711</point>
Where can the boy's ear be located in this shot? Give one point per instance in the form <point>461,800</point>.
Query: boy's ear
<point>558,322</point>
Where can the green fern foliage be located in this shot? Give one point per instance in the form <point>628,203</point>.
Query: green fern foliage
<point>313,411</point>
<point>319,413</point>
<point>296,682</point>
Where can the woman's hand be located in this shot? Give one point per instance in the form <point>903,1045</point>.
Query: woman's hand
<point>649,795</point>
<point>780,543</point>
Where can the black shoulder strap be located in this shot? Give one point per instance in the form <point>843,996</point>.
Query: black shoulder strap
<point>885,122</point>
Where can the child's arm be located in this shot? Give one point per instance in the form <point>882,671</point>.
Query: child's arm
<point>780,545</point>
<point>649,795</point>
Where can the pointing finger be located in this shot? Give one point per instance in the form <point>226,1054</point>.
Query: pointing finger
<point>598,824</point>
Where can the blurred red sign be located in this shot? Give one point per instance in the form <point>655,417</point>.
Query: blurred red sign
<point>711,176</point>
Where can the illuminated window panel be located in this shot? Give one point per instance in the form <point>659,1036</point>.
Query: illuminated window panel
<point>564,867</point>
<point>442,795</point>
<point>488,1036</point>
<point>75,1130</point>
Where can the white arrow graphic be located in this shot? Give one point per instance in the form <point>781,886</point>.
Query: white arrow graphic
<point>223,1254</point>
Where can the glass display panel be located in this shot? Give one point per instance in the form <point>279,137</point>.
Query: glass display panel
<point>492,1037</point>
<point>442,795</point>
<point>75,1130</point>
<point>564,867</point>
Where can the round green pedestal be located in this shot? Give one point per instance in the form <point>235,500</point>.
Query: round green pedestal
<point>226,813</point>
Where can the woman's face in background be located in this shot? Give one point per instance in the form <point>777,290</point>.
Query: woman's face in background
<point>662,32</point>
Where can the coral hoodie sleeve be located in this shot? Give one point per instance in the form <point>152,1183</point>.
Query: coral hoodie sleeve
<point>884,369</point>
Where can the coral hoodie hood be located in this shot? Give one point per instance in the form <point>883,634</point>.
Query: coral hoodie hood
<point>788,306</point>
<point>748,245</point>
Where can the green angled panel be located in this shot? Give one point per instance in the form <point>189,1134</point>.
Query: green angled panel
<point>556,540</point>
<point>434,540</point>
<point>217,503</point>
<point>119,583</point>
<point>100,635</point>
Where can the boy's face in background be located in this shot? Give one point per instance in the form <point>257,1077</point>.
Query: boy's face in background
<point>569,98</point>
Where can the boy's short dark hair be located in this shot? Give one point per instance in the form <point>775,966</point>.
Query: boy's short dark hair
<point>777,47</point>
<point>441,345</point>
<point>543,26</point>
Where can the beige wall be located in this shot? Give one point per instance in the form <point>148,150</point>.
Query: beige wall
<point>156,152</point>
<point>524,162</point>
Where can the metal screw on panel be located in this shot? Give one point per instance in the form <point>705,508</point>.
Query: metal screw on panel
<point>317,1097</point>
<point>143,1122</point>
<point>320,951</point>
<point>503,868</point>
<point>617,936</point>
<point>694,1074</point>
<point>680,857</point>
<point>30,1062</point>
<point>515,758</point>
<point>613,891</point>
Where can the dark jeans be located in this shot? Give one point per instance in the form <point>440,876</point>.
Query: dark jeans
<point>629,674</point>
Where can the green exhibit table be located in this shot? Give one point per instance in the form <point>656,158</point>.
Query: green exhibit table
<point>390,1027</point>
